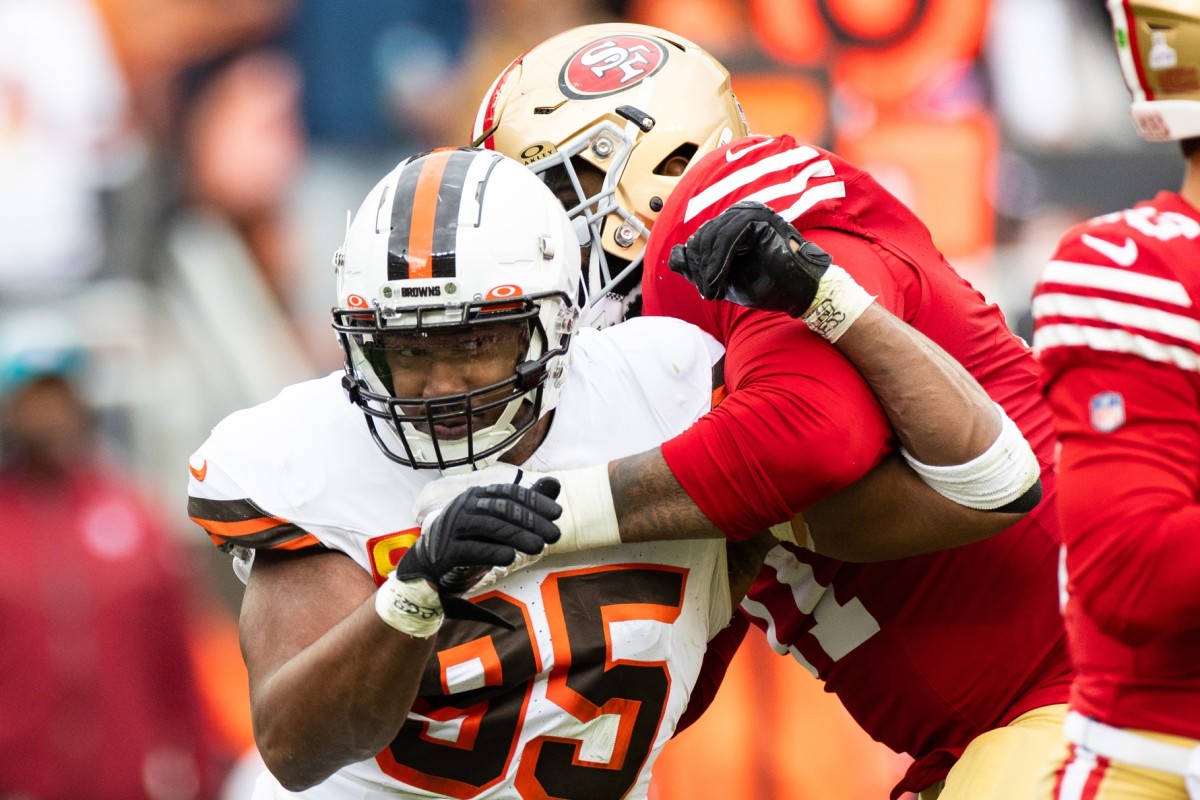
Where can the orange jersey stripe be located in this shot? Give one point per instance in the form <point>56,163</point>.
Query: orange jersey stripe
<point>299,543</point>
<point>235,529</point>
<point>420,238</point>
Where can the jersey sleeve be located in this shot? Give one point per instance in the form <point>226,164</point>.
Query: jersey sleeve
<point>248,481</point>
<point>225,510</point>
<point>1120,348</point>
<point>798,424</point>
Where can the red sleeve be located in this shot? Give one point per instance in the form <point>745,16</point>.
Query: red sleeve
<point>1127,499</point>
<point>881,273</point>
<point>799,424</point>
<point>717,658</point>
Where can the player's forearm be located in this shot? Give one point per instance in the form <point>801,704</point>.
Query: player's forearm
<point>633,499</point>
<point>339,701</point>
<point>940,413</point>
<point>650,503</point>
<point>891,513</point>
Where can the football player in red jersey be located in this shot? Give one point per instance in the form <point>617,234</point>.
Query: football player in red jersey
<point>953,657</point>
<point>1118,336</point>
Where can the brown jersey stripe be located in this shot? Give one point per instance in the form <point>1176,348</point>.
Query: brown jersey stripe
<point>279,537</point>
<point>244,523</point>
<point>306,540</point>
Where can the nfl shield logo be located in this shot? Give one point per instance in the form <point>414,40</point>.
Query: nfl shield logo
<point>1107,411</point>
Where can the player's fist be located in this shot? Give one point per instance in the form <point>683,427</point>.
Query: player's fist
<point>484,527</point>
<point>751,256</point>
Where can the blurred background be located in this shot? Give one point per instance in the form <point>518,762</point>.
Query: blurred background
<point>175,176</point>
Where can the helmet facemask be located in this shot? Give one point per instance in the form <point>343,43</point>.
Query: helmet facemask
<point>589,194</point>
<point>461,429</point>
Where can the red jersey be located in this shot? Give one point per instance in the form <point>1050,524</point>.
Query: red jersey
<point>1117,330</point>
<point>928,652</point>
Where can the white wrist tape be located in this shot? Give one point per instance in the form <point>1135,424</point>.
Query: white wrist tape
<point>410,606</point>
<point>1000,475</point>
<point>786,532</point>
<point>840,300</point>
<point>589,519</point>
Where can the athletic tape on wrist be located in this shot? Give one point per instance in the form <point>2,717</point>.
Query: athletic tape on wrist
<point>998,476</point>
<point>410,606</point>
<point>589,518</point>
<point>839,301</point>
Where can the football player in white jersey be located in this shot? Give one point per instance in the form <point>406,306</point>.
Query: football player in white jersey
<point>458,297</point>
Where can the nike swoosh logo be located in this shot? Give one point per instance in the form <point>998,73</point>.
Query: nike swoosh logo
<point>1121,254</point>
<point>200,472</point>
<point>732,155</point>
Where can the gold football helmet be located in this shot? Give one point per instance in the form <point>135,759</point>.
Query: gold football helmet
<point>610,116</point>
<point>1158,44</point>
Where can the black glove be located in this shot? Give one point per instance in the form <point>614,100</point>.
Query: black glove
<point>483,527</point>
<point>743,255</point>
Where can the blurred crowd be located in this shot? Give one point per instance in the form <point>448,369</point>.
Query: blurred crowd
<point>175,176</point>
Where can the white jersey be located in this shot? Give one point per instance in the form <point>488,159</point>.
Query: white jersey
<point>579,699</point>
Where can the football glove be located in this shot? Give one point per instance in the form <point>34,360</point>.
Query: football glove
<point>484,527</point>
<point>743,255</point>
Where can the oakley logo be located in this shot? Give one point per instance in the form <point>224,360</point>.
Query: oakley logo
<point>420,291</point>
<point>611,65</point>
<point>1123,254</point>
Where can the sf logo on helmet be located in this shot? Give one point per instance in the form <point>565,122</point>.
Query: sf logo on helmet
<point>611,65</point>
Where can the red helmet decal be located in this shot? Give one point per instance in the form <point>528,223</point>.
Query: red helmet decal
<point>503,291</point>
<point>357,301</point>
<point>610,65</point>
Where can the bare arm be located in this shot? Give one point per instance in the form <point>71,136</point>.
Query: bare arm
<point>939,411</point>
<point>889,513</point>
<point>330,682</point>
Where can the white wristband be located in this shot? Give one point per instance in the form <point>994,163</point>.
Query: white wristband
<point>1000,475</point>
<point>589,519</point>
<point>410,606</point>
<point>840,300</point>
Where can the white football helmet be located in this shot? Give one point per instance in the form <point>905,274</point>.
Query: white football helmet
<point>450,242</point>
<point>637,103</point>
<point>1158,45</point>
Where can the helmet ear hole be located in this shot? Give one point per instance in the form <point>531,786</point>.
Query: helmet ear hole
<point>677,160</point>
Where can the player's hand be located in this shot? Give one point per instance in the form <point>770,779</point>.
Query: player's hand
<point>436,495</point>
<point>484,527</point>
<point>745,255</point>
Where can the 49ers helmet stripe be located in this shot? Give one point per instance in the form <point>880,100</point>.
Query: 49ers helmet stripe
<point>425,217</point>
<point>485,120</point>
<point>1124,22</point>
